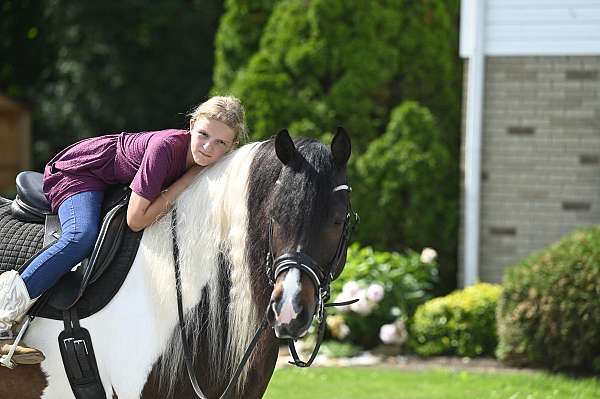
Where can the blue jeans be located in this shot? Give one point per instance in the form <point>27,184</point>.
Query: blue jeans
<point>79,217</point>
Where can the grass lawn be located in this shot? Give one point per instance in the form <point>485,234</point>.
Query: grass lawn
<point>389,383</point>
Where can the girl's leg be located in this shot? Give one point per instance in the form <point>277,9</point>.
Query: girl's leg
<point>79,217</point>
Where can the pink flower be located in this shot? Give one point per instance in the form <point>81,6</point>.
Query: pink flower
<point>375,292</point>
<point>393,334</point>
<point>363,306</point>
<point>351,288</point>
<point>428,255</point>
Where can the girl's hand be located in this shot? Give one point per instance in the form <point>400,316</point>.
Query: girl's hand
<point>141,212</point>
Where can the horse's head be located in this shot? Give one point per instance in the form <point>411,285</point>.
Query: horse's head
<point>310,217</point>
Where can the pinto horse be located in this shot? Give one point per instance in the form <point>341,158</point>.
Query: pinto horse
<point>277,197</point>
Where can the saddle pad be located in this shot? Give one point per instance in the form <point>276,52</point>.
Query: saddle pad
<point>19,241</point>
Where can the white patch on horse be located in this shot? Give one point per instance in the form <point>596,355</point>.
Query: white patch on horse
<point>291,287</point>
<point>137,326</point>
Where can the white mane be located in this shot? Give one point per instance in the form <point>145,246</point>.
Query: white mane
<point>212,220</point>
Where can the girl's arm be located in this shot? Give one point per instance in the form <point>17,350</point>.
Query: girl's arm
<point>141,212</point>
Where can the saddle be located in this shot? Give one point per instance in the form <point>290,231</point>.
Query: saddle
<point>98,277</point>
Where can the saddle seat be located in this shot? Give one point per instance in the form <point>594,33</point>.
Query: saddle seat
<point>30,205</point>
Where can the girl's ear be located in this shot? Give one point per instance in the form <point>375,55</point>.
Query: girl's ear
<point>192,121</point>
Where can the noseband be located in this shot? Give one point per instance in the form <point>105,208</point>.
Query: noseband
<point>321,278</point>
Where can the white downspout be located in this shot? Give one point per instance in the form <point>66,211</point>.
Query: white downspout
<point>475,92</point>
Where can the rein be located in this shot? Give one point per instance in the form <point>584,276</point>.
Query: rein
<point>229,390</point>
<point>274,267</point>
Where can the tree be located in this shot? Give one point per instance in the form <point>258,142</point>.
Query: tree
<point>325,62</point>
<point>400,175</point>
<point>328,62</point>
<point>237,39</point>
<point>118,66</point>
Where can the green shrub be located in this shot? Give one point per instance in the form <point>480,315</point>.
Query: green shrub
<point>462,323</point>
<point>237,39</point>
<point>404,171</point>
<point>313,65</point>
<point>339,349</point>
<point>310,65</point>
<point>549,312</point>
<point>389,285</point>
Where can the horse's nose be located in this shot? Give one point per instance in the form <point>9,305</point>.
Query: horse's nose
<point>286,326</point>
<point>271,313</point>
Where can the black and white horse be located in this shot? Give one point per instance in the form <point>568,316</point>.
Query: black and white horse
<point>279,197</point>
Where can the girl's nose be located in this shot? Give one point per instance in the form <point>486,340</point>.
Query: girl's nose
<point>207,146</point>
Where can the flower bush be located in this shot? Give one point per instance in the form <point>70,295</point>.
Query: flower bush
<point>389,287</point>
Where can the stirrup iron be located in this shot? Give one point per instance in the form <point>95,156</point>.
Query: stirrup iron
<point>6,360</point>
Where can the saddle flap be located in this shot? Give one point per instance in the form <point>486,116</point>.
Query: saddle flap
<point>71,287</point>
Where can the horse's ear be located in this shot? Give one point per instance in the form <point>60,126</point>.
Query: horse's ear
<point>284,146</point>
<point>341,147</point>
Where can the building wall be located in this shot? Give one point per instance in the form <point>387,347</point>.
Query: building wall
<point>15,142</point>
<point>541,155</point>
<point>533,27</point>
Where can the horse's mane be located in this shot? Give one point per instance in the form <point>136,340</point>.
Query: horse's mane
<point>218,244</point>
<point>212,231</point>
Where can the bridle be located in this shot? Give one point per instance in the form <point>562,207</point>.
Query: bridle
<point>320,277</point>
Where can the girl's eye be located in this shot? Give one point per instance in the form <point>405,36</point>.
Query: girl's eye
<point>222,143</point>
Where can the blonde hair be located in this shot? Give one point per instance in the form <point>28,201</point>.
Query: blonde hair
<point>227,110</point>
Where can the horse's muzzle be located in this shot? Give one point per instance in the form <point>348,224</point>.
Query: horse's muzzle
<point>286,323</point>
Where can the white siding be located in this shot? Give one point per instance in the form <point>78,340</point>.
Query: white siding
<point>534,27</point>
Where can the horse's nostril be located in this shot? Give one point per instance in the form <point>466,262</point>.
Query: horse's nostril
<point>271,314</point>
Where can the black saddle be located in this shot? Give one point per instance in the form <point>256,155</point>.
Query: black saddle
<point>27,226</point>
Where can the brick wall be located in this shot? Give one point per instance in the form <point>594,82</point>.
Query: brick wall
<point>541,155</point>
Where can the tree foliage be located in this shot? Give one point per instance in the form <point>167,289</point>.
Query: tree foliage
<point>322,63</point>
<point>24,49</point>
<point>237,39</point>
<point>326,62</point>
<point>400,176</point>
<point>117,66</point>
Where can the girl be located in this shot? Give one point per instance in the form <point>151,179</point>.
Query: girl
<point>158,166</point>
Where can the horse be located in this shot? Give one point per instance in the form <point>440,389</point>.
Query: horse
<point>283,199</point>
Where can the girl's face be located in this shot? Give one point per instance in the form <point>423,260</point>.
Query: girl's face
<point>210,140</point>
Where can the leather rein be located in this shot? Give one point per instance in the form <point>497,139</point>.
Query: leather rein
<point>321,278</point>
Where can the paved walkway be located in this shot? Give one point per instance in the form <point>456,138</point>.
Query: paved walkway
<point>406,362</point>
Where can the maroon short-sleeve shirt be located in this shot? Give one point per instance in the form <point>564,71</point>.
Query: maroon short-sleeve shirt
<point>148,161</point>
